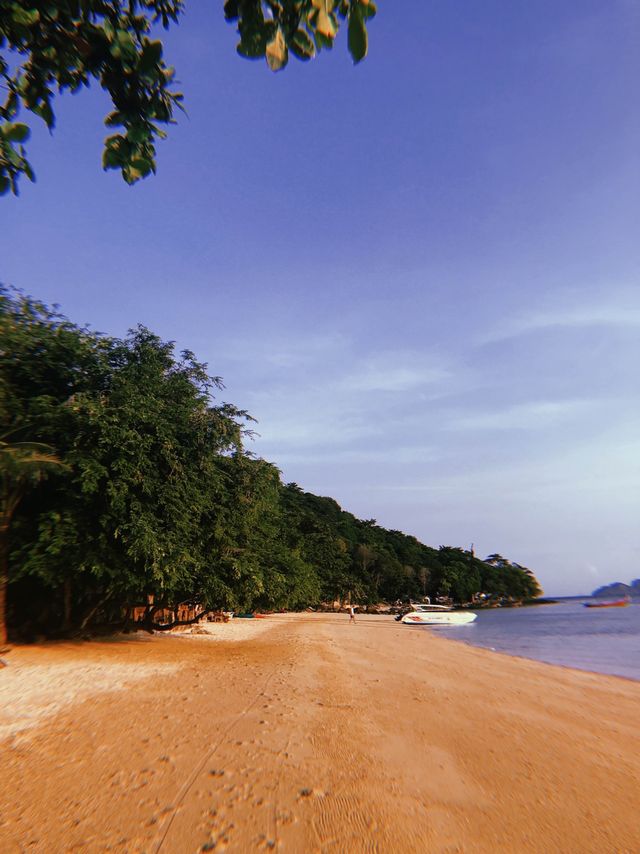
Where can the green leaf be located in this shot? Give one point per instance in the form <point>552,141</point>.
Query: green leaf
<point>255,34</point>
<point>13,157</point>
<point>369,8</point>
<point>25,17</point>
<point>114,119</point>
<point>323,42</point>
<point>124,47</point>
<point>324,21</point>
<point>15,132</point>
<point>357,33</point>
<point>276,52</point>
<point>231,10</point>
<point>302,45</point>
<point>5,185</point>
<point>151,55</point>
<point>138,134</point>
<point>45,112</point>
<point>110,159</point>
<point>131,175</point>
<point>142,165</point>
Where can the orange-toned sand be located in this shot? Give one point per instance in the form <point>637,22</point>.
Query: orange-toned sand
<point>306,734</point>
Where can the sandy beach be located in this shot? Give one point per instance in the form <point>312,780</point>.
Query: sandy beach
<point>303,733</point>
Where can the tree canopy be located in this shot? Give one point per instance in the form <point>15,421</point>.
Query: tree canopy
<point>53,46</point>
<point>158,495</point>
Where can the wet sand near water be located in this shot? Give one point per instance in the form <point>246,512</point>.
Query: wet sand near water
<point>303,733</point>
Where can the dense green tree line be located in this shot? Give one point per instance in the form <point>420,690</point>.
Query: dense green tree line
<point>135,481</point>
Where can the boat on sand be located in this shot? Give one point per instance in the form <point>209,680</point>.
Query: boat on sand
<point>436,615</point>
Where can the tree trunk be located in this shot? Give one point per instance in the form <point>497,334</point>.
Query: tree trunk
<point>126,623</point>
<point>149,614</point>
<point>92,611</point>
<point>161,627</point>
<point>4,577</point>
<point>67,605</point>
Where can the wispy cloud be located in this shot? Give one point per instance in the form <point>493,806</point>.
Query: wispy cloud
<point>339,402</point>
<point>618,310</point>
<point>534,415</point>
<point>394,372</point>
<point>396,455</point>
<point>606,468</point>
<point>311,350</point>
<point>291,352</point>
<point>313,428</point>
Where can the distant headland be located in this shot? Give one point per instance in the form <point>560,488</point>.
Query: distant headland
<point>619,589</point>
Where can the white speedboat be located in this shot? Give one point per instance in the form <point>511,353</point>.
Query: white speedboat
<point>437,615</point>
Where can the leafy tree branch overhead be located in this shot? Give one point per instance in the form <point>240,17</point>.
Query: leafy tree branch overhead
<point>50,47</point>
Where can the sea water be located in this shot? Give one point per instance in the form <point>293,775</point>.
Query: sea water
<point>604,640</point>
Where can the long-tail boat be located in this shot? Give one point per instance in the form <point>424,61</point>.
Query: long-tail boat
<point>619,603</point>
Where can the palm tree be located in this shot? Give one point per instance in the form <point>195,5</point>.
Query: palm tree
<point>22,465</point>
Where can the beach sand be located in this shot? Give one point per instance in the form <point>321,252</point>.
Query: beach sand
<point>303,733</point>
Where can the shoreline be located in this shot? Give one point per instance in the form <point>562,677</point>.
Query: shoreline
<point>316,735</point>
<point>564,636</point>
<point>570,667</point>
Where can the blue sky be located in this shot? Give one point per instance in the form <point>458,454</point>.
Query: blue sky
<point>419,274</point>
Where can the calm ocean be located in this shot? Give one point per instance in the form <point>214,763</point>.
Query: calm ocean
<point>604,640</point>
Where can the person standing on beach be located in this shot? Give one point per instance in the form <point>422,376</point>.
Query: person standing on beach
<point>352,614</point>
